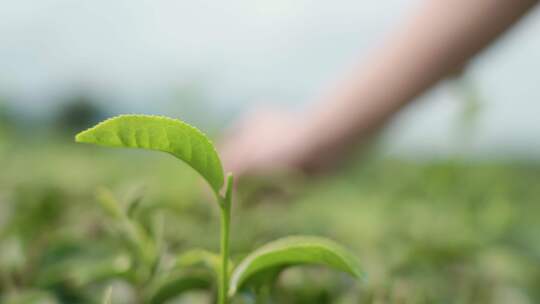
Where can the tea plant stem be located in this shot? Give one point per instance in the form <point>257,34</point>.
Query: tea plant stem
<point>224,276</point>
<point>225,236</point>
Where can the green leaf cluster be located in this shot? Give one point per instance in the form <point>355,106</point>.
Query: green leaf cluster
<point>195,149</point>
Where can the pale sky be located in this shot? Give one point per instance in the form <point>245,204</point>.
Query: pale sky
<point>134,54</point>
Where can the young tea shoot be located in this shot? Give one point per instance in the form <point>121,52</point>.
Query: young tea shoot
<point>260,268</point>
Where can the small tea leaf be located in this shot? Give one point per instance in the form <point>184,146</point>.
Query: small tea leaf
<point>28,296</point>
<point>162,134</point>
<point>200,258</point>
<point>86,272</point>
<point>109,203</point>
<point>173,284</point>
<point>107,298</point>
<point>290,251</point>
<point>134,232</point>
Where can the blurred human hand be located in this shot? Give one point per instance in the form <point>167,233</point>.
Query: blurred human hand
<point>267,140</point>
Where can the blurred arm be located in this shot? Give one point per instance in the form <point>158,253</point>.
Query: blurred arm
<point>439,38</point>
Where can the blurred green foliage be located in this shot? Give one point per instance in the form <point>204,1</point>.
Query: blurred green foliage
<point>439,232</point>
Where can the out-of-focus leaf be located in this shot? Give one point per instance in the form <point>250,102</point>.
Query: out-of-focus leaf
<point>162,134</point>
<point>290,251</point>
<point>199,258</point>
<point>134,204</point>
<point>84,270</point>
<point>109,203</point>
<point>29,297</point>
<point>12,255</point>
<point>87,272</point>
<point>107,298</point>
<point>134,231</point>
<point>175,283</point>
<point>193,270</point>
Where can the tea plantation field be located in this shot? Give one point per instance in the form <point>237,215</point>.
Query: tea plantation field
<point>445,231</point>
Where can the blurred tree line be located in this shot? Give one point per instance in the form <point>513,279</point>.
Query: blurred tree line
<point>75,112</point>
<point>81,108</point>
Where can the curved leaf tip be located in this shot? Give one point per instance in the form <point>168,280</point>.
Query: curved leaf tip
<point>160,133</point>
<point>290,251</point>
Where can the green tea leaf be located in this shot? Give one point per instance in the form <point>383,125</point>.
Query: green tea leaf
<point>193,270</point>
<point>202,259</point>
<point>109,203</point>
<point>134,232</point>
<point>290,251</point>
<point>84,272</point>
<point>161,134</point>
<point>172,284</point>
<point>107,298</point>
<point>28,297</point>
<point>199,258</point>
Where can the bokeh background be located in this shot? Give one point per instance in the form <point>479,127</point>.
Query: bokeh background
<point>444,208</point>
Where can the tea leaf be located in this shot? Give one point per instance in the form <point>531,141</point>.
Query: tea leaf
<point>134,232</point>
<point>109,203</point>
<point>290,251</point>
<point>99,270</point>
<point>173,284</point>
<point>28,296</point>
<point>108,296</point>
<point>194,269</point>
<point>161,134</point>
<point>199,258</point>
<point>203,259</point>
